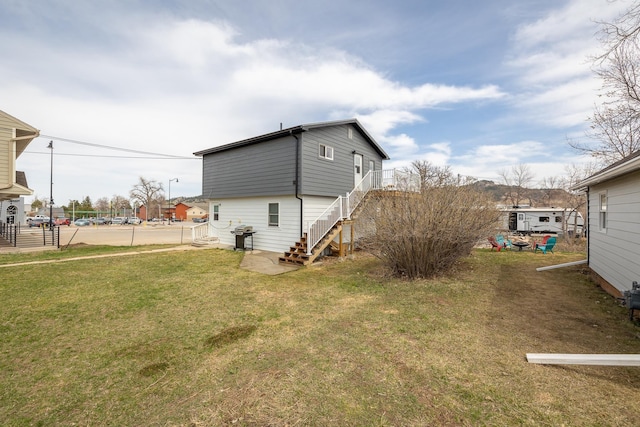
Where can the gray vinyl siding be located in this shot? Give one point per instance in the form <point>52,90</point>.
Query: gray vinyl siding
<point>263,169</point>
<point>615,251</point>
<point>321,177</point>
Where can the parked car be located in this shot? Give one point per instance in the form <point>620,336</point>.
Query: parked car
<point>62,221</point>
<point>81,222</point>
<point>100,221</point>
<point>199,220</point>
<point>134,220</point>
<point>39,222</point>
<point>40,218</point>
<point>119,220</point>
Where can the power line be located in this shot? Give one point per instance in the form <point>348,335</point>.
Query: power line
<point>110,147</point>
<point>115,157</point>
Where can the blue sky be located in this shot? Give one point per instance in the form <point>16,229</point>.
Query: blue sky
<point>480,86</point>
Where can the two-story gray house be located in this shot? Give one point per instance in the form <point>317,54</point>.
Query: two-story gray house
<point>279,182</point>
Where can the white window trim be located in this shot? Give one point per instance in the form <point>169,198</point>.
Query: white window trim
<point>269,224</point>
<point>350,133</point>
<point>213,214</point>
<point>328,152</point>
<point>602,211</point>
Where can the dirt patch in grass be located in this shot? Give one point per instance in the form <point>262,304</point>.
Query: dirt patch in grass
<point>229,335</point>
<point>154,368</point>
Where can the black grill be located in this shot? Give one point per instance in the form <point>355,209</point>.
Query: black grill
<point>242,232</point>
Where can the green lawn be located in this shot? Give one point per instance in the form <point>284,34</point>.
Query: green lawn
<point>189,339</point>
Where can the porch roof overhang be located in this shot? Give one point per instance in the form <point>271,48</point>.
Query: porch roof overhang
<point>15,191</point>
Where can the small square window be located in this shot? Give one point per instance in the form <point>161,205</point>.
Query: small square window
<point>274,214</point>
<point>326,152</point>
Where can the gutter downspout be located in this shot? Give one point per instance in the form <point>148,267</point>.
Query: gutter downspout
<point>297,180</point>
<point>588,229</point>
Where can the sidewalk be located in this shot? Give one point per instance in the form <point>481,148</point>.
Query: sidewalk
<point>256,261</point>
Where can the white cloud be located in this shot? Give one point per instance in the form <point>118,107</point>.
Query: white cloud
<point>550,61</point>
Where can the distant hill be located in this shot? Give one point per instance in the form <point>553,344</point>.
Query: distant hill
<point>529,196</point>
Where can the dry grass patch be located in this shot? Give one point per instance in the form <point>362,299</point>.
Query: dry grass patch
<point>189,339</point>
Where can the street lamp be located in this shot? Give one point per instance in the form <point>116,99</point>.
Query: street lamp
<point>176,180</point>
<point>50,146</point>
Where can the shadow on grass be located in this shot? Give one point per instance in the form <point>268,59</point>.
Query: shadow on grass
<point>230,335</point>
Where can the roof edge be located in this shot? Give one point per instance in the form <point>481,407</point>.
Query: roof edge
<point>296,130</point>
<point>629,164</point>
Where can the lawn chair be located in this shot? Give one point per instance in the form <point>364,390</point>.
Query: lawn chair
<point>505,243</point>
<point>494,243</point>
<point>547,246</point>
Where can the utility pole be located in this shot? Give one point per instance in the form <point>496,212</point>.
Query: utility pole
<point>50,146</point>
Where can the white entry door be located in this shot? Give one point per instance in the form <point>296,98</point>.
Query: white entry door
<point>357,169</point>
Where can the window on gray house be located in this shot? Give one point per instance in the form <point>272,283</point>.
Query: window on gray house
<point>216,212</point>
<point>326,152</point>
<point>602,220</point>
<point>274,214</point>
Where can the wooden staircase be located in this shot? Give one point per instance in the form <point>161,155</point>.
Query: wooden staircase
<point>344,210</point>
<point>297,255</point>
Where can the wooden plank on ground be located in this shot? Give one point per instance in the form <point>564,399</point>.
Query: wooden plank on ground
<point>566,264</point>
<point>584,359</point>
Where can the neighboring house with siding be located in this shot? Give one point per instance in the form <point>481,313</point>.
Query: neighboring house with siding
<point>613,217</point>
<point>197,210</point>
<point>15,135</point>
<point>279,182</point>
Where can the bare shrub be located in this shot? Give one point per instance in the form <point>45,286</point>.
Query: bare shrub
<point>422,234</point>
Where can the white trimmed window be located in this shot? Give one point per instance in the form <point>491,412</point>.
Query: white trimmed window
<point>602,211</point>
<point>216,212</point>
<point>350,133</point>
<point>274,214</point>
<point>326,152</point>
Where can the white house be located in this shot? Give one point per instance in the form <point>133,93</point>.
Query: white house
<point>279,182</point>
<point>613,218</point>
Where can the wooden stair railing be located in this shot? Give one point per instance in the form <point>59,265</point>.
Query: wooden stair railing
<point>298,255</point>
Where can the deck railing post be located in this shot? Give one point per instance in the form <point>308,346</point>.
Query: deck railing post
<point>347,214</point>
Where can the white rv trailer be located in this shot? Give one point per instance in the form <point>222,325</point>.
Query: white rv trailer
<point>528,220</point>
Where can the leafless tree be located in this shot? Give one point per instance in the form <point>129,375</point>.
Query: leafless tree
<point>517,180</point>
<point>574,201</point>
<point>430,175</point>
<point>148,193</point>
<point>101,205</point>
<point>549,186</point>
<point>615,124</point>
